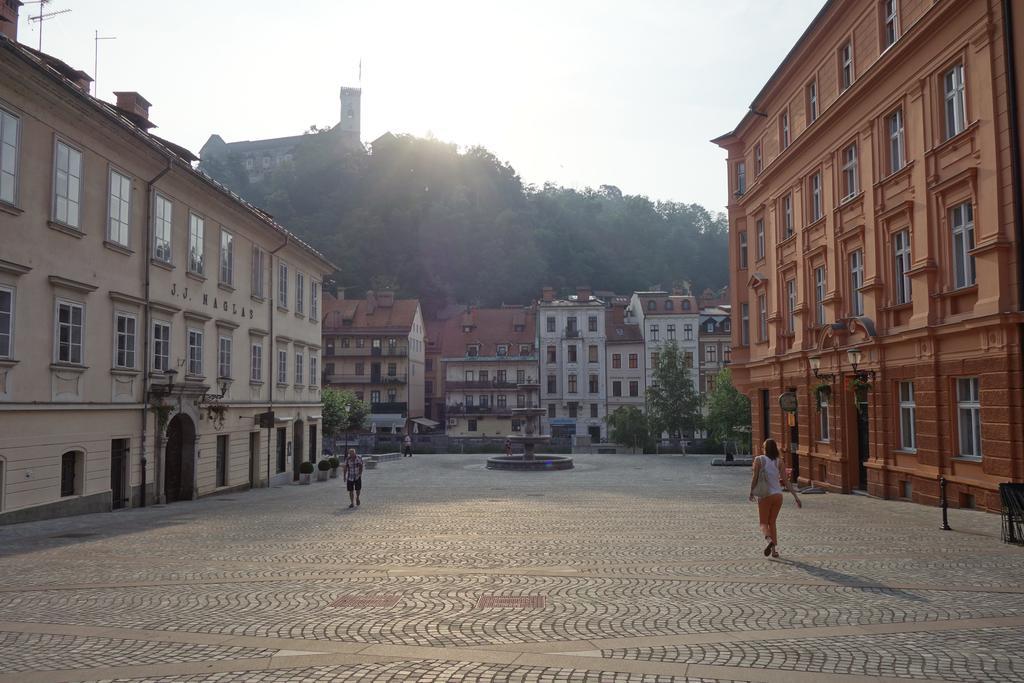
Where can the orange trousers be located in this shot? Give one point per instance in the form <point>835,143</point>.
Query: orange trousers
<point>768,512</point>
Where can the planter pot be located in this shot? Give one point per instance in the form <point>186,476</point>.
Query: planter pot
<point>334,473</point>
<point>321,475</point>
<point>304,478</point>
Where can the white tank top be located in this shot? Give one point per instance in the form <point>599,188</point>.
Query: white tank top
<point>771,471</point>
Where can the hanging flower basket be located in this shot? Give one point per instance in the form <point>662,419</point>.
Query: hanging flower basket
<point>860,387</point>
<point>215,413</point>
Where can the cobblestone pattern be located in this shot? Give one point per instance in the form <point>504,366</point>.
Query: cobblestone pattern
<point>983,655</point>
<point>424,671</point>
<point>439,610</point>
<point>43,651</point>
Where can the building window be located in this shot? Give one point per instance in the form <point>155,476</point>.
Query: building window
<point>552,384</point>
<point>760,239</point>
<point>361,369</point>
<point>196,230</point>
<point>393,371</point>
<point>743,249</point>
<point>572,326</point>
<point>791,306</point>
<point>483,401</point>
<point>652,305</point>
<point>671,331</point>
<point>300,364</point>
<point>124,348</point>
<point>908,415</point>
<point>634,388</point>
<point>762,317</point>
<point>856,282</point>
<point>572,353</point>
<point>890,23</point>
<point>592,353</point>
<point>70,325</point>
<point>894,126</point>
<point>9,143</point>
<point>195,352</point>
<point>552,354</point>
<point>572,383</point>
<point>616,388</point>
<point>687,332</point>
<point>745,324</point>
<point>616,361</point>
<point>521,376</point>
<point>551,410</point>
<point>501,401</point>
<point>227,257</point>
<point>845,66</point>
<point>550,323</point>
<point>726,353</point>
<point>784,130</point>
<point>314,300</point>
<point>573,410</point>
<point>592,323</point>
<point>162,215</point>
<point>710,327</point>
<point>741,177</point>
<point>819,295</point>
<point>282,284</point>
<point>654,332</point>
<point>634,360</point>
<point>300,293</point>
<point>823,434</point>
<point>256,362</point>
<point>787,216</point>
<point>962,222</point>
<point>120,208</point>
<point>282,366</point>
<point>969,416</point>
<point>654,359</point>
<point>224,357</point>
<point>956,114</point>
<point>593,410</point>
<point>6,322</point>
<point>816,208</point>
<point>67,185</point>
<point>257,272</point>
<point>850,180</point>
<point>711,353</point>
<point>161,345</point>
<point>758,159</point>
<point>592,384</point>
<point>812,102</point>
<point>901,254</point>
<point>471,425</point>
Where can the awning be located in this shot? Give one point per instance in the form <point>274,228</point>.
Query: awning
<point>561,421</point>
<point>387,420</point>
<point>425,422</point>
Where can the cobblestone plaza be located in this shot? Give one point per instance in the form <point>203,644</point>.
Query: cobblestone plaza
<point>629,568</point>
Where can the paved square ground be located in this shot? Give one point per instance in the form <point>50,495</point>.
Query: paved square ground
<point>628,568</point>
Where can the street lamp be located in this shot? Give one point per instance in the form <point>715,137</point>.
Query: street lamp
<point>815,362</point>
<point>169,375</point>
<point>855,355</point>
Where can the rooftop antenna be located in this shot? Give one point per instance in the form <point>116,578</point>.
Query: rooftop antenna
<point>96,63</point>
<point>43,16</point>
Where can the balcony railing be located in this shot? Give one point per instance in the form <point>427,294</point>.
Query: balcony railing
<point>346,379</point>
<point>480,384</point>
<point>572,332</point>
<point>399,351</point>
<point>496,411</point>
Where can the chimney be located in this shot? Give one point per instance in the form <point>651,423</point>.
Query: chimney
<point>371,302</point>
<point>583,294</point>
<point>548,294</point>
<point>386,298</point>
<point>135,107</point>
<point>9,18</point>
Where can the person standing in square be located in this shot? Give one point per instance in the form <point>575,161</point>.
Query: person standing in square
<point>353,477</point>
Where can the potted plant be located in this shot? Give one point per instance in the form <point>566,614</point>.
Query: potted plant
<point>822,391</point>
<point>305,470</point>
<point>334,467</point>
<point>322,470</point>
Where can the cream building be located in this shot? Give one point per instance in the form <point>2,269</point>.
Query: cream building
<point>625,360</point>
<point>147,315</point>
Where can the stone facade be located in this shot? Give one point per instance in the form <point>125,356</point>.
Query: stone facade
<point>129,309</point>
<point>875,207</point>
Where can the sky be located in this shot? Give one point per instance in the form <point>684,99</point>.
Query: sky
<point>576,92</point>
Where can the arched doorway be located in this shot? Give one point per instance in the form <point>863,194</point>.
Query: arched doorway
<point>179,459</point>
<point>296,449</point>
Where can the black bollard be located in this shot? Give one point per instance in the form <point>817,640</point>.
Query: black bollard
<point>944,504</point>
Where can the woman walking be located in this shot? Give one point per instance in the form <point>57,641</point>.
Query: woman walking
<point>767,484</point>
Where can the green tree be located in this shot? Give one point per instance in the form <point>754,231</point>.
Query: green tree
<point>629,426</point>
<point>673,404</point>
<point>728,416</point>
<point>342,412</point>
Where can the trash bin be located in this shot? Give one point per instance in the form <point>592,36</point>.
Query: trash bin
<point>1012,496</point>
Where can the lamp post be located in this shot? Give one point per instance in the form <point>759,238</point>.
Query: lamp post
<point>815,362</point>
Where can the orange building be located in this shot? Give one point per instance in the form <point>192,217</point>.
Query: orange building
<point>876,252</point>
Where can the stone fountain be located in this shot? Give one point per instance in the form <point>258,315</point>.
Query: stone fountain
<point>529,438</point>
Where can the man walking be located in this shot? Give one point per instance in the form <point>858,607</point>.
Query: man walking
<point>353,476</point>
<point>407,447</point>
